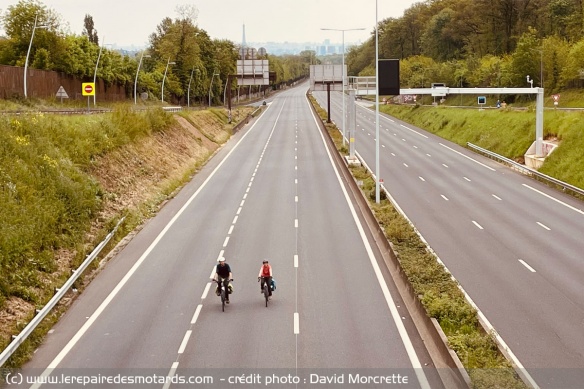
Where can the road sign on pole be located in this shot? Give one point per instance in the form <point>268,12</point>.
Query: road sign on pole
<point>88,88</point>
<point>62,94</point>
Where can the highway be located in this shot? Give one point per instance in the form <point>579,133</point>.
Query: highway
<point>514,244</point>
<point>271,192</point>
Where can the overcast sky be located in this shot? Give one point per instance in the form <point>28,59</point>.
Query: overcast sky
<point>130,22</point>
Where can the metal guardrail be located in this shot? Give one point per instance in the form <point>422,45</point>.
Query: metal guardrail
<point>20,338</point>
<point>172,109</point>
<point>526,170</point>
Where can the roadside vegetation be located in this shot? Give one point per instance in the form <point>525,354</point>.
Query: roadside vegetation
<point>66,180</point>
<point>506,132</point>
<point>437,290</point>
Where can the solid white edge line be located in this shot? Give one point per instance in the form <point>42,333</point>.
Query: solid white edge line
<point>296,323</point>
<point>414,131</point>
<point>527,266</point>
<point>414,360</point>
<point>554,199</point>
<point>197,312</point>
<point>184,342</point>
<point>467,157</point>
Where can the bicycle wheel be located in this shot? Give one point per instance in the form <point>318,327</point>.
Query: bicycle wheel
<point>266,292</point>
<point>223,299</point>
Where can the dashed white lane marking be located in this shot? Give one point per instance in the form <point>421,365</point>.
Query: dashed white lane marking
<point>225,242</point>
<point>527,266</point>
<point>421,178</point>
<point>171,374</point>
<point>468,179</point>
<point>497,197</point>
<point>444,197</point>
<point>478,225</point>
<point>230,230</point>
<point>445,165</point>
<point>207,287</point>
<point>296,323</point>
<point>296,223</point>
<point>544,226</point>
<point>197,312</point>
<point>296,261</point>
<point>405,164</point>
<point>185,341</point>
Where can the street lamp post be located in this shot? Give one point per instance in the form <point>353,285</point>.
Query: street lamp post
<point>96,65</point>
<point>28,52</point>
<point>136,80</point>
<point>343,69</point>
<point>377,197</point>
<point>164,78</point>
<point>189,88</point>
<point>211,85</point>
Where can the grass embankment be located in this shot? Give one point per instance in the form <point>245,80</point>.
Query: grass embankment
<point>439,293</point>
<point>507,132</point>
<point>66,180</point>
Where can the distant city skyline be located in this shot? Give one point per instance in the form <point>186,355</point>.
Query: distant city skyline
<point>129,23</point>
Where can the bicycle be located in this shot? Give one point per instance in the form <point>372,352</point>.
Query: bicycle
<point>223,293</point>
<point>266,288</point>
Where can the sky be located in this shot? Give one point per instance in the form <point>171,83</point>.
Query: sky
<point>130,22</point>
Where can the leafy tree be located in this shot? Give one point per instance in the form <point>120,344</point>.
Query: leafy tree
<point>18,21</point>
<point>573,72</point>
<point>89,31</point>
<point>42,60</point>
<point>526,59</point>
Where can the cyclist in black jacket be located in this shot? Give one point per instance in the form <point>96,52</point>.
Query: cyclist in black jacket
<point>223,274</point>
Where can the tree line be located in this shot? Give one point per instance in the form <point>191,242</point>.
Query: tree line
<point>195,54</point>
<point>481,43</point>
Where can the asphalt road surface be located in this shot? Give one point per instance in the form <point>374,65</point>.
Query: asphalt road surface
<point>273,193</point>
<point>515,245</point>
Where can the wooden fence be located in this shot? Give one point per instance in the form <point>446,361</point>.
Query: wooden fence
<point>44,84</point>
